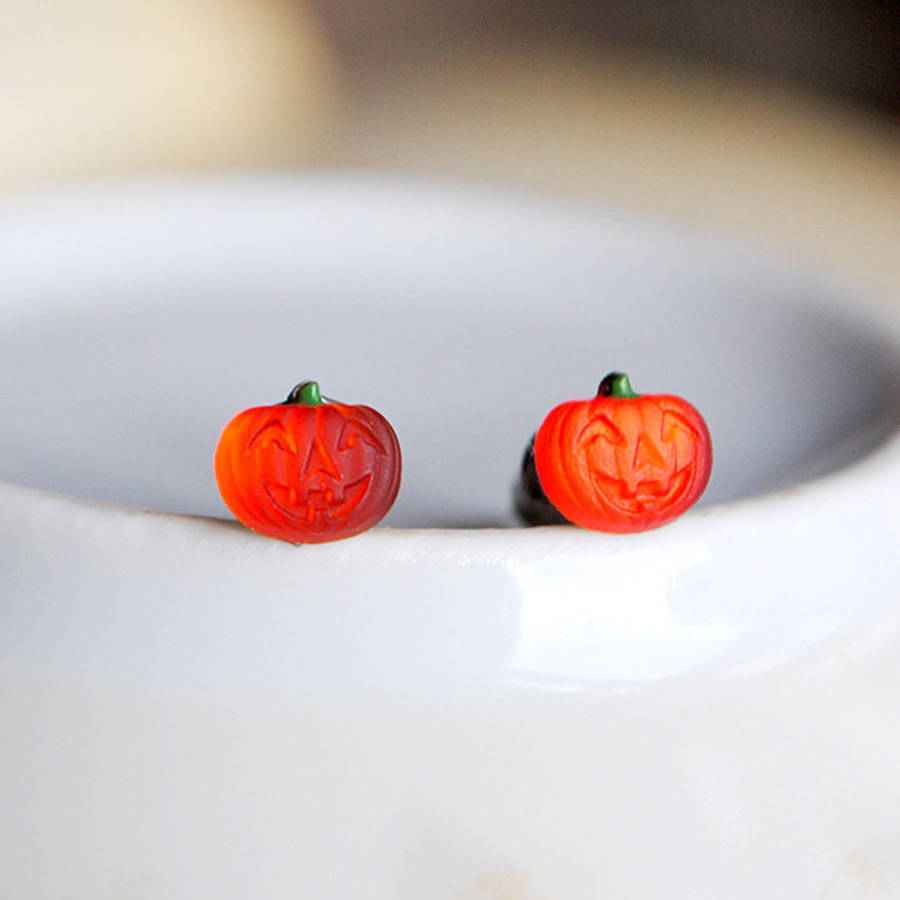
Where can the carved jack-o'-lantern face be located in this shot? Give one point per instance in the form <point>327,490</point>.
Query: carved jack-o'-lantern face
<point>309,471</point>
<point>623,462</point>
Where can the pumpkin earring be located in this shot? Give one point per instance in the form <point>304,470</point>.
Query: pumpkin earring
<point>308,470</point>
<point>620,462</point>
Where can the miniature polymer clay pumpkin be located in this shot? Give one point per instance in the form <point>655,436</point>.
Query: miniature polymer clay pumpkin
<point>308,470</point>
<point>622,461</point>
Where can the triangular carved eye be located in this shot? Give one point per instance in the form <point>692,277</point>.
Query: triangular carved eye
<point>273,432</point>
<point>600,428</point>
<point>675,426</point>
<point>354,430</point>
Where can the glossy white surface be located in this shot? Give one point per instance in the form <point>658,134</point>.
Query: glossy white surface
<point>192,710</point>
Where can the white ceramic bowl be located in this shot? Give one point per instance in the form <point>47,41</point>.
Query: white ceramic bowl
<point>449,705</point>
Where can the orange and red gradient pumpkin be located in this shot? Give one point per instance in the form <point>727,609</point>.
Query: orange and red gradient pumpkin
<point>306,470</point>
<point>623,462</point>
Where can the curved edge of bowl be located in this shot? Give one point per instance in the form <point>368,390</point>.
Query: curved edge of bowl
<point>108,591</point>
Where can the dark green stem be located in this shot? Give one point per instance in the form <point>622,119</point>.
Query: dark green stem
<point>617,386</point>
<point>305,394</point>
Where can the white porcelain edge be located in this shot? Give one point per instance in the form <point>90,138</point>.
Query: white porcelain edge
<point>442,610</point>
<point>449,609</point>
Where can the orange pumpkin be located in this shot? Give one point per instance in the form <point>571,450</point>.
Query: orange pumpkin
<point>307,470</point>
<point>623,462</point>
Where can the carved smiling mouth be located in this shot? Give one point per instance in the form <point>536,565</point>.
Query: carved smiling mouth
<point>332,503</point>
<point>646,494</point>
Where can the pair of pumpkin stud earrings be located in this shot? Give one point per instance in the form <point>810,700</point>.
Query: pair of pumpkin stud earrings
<point>310,470</point>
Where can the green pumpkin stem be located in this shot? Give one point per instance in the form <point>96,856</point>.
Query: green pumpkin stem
<point>617,386</point>
<point>305,394</point>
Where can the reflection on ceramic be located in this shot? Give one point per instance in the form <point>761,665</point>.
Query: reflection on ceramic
<point>460,706</point>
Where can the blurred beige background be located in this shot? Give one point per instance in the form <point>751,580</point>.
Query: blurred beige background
<point>96,88</point>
